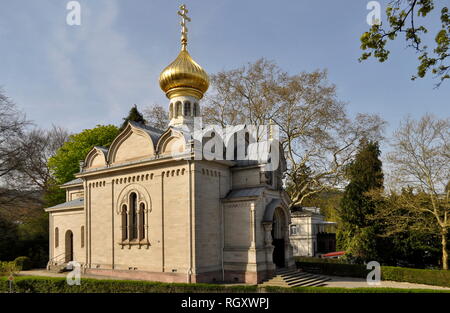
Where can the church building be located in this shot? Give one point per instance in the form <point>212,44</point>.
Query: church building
<point>149,208</point>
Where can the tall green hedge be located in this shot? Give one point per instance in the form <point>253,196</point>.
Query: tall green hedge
<point>333,267</point>
<point>273,289</point>
<point>418,276</point>
<point>24,284</point>
<point>400,274</point>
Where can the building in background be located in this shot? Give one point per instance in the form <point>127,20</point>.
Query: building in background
<point>309,234</point>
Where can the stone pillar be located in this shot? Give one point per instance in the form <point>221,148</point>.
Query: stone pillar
<point>269,248</point>
<point>252,225</point>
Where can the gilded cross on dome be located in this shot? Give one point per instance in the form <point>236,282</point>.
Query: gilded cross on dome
<point>184,18</point>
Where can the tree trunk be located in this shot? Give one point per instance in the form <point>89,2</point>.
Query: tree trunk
<point>444,250</point>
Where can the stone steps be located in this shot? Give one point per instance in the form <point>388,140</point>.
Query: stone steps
<point>295,278</point>
<point>53,268</point>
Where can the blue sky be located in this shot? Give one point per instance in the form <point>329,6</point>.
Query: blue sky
<point>81,76</point>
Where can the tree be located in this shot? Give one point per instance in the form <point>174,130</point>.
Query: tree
<point>407,238</point>
<point>8,238</point>
<point>33,176</point>
<point>402,18</point>
<point>316,134</point>
<point>365,175</point>
<point>12,128</point>
<point>135,116</point>
<point>66,162</point>
<point>157,117</point>
<point>420,163</point>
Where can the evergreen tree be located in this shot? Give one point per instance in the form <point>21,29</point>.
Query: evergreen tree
<point>135,116</point>
<point>357,233</point>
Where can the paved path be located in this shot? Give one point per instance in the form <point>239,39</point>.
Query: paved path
<point>335,281</point>
<point>351,282</point>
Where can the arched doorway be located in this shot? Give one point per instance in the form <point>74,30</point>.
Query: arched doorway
<point>278,233</point>
<point>69,246</point>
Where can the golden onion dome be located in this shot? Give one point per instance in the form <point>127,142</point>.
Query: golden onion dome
<point>184,77</point>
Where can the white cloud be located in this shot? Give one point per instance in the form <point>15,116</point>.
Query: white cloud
<point>96,68</point>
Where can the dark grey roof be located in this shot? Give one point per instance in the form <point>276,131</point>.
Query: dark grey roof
<point>76,181</point>
<point>77,203</point>
<point>245,192</point>
<point>303,211</point>
<point>154,133</point>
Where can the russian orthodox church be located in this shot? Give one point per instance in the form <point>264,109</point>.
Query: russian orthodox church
<point>149,208</point>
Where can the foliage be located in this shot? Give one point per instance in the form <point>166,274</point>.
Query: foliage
<point>12,125</point>
<point>357,233</point>
<point>420,161</point>
<point>417,276</point>
<point>328,202</point>
<point>8,238</point>
<point>333,268</point>
<point>135,116</point>
<point>66,162</point>
<point>33,176</point>
<point>400,274</point>
<point>26,284</point>
<point>405,238</point>
<point>23,262</point>
<point>316,134</point>
<point>8,268</point>
<point>273,289</point>
<point>59,285</point>
<point>402,17</point>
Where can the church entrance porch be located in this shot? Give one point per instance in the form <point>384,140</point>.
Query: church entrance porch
<point>69,246</point>
<point>278,235</point>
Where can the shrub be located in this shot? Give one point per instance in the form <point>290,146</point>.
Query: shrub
<point>7,268</point>
<point>400,274</point>
<point>332,267</point>
<point>59,285</point>
<point>418,276</point>
<point>23,263</point>
<point>273,289</point>
<point>23,284</point>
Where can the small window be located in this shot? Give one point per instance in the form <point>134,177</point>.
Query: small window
<point>187,108</point>
<point>178,109</point>
<point>56,237</point>
<point>294,230</point>
<point>82,236</point>
<point>124,222</point>
<point>142,221</point>
<point>133,216</point>
<point>195,109</point>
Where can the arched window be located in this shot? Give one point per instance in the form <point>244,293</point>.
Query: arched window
<point>56,237</point>
<point>124,222</point>
<point>171,111</point>
<point>133,216</point>
<point>141,221</point>
<point>178,109</point>
<point>82,237</point>
<point>195,109</point>
<point>187,108</point>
